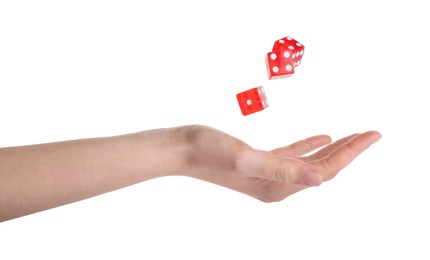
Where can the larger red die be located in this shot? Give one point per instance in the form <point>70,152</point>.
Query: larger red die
<point>296,48</point>
<point>280,64</point>
<point>252,100</point>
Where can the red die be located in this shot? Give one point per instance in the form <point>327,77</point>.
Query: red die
<point>296,48</point>
<point>252,100</point>
<point>280,64</point>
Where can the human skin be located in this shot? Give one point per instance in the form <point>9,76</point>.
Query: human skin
<point>39,177</point>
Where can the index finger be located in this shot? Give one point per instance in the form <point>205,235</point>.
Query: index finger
<point>302,147</point>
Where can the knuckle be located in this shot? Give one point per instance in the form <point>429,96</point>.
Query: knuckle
<point>350,149</point>
<point>330,171</point>
<point>281,174</point>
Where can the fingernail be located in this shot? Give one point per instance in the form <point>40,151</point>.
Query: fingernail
<point>312,178</point>
<point>377,139</point>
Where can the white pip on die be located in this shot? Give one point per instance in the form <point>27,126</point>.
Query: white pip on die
<point>286,54</point>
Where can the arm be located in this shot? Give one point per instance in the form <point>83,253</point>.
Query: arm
<point>39,177</point>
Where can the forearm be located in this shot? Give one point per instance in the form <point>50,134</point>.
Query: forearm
<point>38,177</point>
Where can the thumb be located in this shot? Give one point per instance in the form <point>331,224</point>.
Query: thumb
<point>280,169</point>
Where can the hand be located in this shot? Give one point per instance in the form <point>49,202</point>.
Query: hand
<point>268,175</point>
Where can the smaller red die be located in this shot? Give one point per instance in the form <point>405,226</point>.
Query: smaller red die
<point>252,100</point>
<point>280,64</point>
<point>296,48</point>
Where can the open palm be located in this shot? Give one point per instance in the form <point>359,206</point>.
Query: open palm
<point>271,175</point>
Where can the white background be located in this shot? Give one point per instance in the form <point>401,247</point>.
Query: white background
<point>77,69</point>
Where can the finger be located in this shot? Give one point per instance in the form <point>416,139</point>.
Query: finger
<point>283,170</point>
<point>302,147</point>
<point>330,148</point>
<point>346,153</point>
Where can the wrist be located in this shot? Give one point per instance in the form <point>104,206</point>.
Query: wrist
<point>160,152</point>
